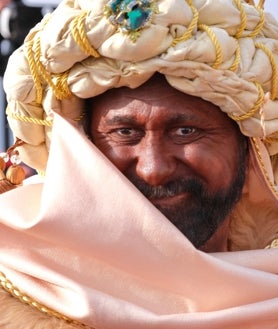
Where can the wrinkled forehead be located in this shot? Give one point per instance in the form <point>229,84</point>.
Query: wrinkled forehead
<point>156,89</point>
<point>156,99</point>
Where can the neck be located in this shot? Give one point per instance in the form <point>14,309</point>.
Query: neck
<point>219,241</point>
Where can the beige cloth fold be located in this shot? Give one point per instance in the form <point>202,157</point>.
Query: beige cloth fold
<point>87,244</point>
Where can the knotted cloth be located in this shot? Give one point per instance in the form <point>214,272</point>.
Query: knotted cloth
<point>224,51</point>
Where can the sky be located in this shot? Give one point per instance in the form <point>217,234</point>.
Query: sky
<point>272,7</point>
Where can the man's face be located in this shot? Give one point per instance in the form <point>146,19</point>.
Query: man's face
<point>184,154</point>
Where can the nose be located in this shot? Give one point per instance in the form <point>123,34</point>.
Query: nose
<point>155,164</point>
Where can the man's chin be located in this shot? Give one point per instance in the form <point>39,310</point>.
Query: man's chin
<point>190,219</point>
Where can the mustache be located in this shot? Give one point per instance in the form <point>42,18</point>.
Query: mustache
<point>169,189</point>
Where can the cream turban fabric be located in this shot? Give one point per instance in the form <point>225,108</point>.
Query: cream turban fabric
<point>224,51</point>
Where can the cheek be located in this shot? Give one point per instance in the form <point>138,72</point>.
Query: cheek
<point>121,157</point>
<point>215,165</point>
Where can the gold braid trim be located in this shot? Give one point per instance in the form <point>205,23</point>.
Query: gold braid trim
<point>80,37</point>
<point>270,55</point>
<point>254,109</point>
<point>8,286</point>
<point>219,55</point>
<point>193,24</point>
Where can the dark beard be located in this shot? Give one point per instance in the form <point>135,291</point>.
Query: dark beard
<point>198,217</point>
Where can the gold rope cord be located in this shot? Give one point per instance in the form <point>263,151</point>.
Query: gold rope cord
<point>193,24</point>
<point>243,19</point>
<point>259,25</point>
<point>58,92</point>
<point>62,85</point>
<point>236,62</point>
<point>27,119</point>
<point>254,109</point>
<point>80,37</point>
<point>36,121</point>
<point>34,71</point>
<point>270,55</point>
<point>38,71</point>
<point>32,64</point>
<point>217,45</point>
<point>8,286</point>
<point>260,158</point>
<point>261,4</point>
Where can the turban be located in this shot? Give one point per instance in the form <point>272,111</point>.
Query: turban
<point>223,51</point>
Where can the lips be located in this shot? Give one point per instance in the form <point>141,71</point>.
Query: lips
<point>169,200</point>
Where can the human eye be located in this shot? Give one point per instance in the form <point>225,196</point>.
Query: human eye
<point>124,131</point>
<point>127,135</point>
<point>186,134</point>
<point>184,131</point>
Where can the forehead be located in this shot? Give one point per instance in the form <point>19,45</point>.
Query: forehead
<point>158,98</point>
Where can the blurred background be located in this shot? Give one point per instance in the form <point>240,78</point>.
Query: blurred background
<point>17,17</point>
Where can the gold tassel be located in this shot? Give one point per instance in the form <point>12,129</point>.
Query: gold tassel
<point>6,186</point>
<point>14,175</point>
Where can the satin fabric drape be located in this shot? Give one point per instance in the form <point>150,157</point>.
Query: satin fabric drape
<point>87,244</point>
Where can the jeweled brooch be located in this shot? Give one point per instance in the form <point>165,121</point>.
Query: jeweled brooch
<point>131,16</point>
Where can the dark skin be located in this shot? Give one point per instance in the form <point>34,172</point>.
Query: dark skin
<point>155,134</point>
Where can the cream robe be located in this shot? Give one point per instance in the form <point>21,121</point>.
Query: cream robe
<point>88,245</point>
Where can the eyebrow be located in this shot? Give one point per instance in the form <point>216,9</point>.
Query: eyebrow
<point>121,119</point>
<point>174,119</point>
<point>182,117</point>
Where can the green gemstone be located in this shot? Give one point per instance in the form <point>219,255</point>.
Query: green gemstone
<point>137,18</point>
<point>130,16</point>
